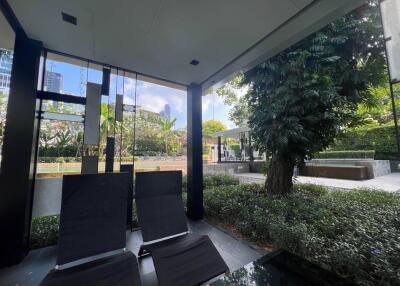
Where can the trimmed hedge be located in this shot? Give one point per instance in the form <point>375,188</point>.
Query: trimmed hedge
<point>210,181</point>
<point>76,159</point>
<point>353,233</point>
<point>346,154</point>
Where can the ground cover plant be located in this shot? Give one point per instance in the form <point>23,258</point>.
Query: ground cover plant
<point>353,233</point>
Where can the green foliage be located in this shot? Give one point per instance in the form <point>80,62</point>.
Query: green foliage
<point>76,159</point>
<point>346,154</point>
<point>236,149</point>
<point>212,126</point>
<point>380,139</point>
<point>239,113</point>
<point>211,181</point>
<point>44,231</point>
<point>300,99</point>
<point>354,234</point>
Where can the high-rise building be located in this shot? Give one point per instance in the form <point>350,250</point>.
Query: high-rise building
<point>166,113</point>
<point>54,82</point>
<point>6,60</point>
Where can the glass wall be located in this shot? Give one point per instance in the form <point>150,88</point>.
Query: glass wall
<point>161,127</point>
<point>146,119</point>
<point>152,132</point>
<point>217,123</point>
<point>65,75</point>
<point>7,39</point>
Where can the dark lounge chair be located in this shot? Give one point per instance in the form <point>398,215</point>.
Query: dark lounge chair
<point>180,257</point>
<point>93,225</point>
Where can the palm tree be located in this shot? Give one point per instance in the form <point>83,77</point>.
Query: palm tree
<point>167,131</point>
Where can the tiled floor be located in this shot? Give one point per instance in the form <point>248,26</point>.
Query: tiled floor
<point>38,262</point>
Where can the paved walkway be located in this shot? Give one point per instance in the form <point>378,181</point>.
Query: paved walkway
<point>388,183</point>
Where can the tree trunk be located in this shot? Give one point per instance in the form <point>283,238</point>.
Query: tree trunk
<point>280,175</point>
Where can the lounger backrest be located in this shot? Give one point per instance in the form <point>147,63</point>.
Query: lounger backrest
<point>93,215</point>
<point>159,204</point>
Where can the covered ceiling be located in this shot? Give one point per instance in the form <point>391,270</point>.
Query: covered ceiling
<point>7,35</point>
<point>161,37</point>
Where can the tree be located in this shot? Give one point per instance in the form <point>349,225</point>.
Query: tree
<point>300,99</point>
<point>229,92</point>
<point>167,131</point>
<point>212,126</point>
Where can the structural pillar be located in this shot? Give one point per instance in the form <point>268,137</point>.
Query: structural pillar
<point>219,149</point>
<point>17,166</point>
<point>251,149</point>
<point>195,208</point>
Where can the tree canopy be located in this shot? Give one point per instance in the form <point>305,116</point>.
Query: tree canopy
<point>212,126</point>
<point>300,99</point>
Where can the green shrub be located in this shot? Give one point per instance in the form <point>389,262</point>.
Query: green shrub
<point>387,156</point>
<point>219,180</point>
<point>236,149</point>
<point>210,181</point>
<point>44,231</point>
<point>346,154</point>
<point>380,139</point>
<point>353,233</point>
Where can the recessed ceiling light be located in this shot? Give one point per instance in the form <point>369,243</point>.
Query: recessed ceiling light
<point>194,62</point>
<point>69,18</point>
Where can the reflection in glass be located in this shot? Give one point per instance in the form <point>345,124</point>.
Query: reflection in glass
<point>7,38</point>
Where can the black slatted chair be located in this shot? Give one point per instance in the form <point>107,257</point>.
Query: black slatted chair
<point>93,225</point>
<point>180,257</point>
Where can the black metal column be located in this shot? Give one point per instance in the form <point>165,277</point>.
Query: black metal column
<point>195,209</point>
<point>17,169</point>
<point>251,148</point>
<point>219,149</point>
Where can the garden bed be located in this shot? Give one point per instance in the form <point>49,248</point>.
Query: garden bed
<point>355,234</point>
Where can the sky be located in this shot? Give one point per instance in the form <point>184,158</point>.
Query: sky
<point>149,96</point>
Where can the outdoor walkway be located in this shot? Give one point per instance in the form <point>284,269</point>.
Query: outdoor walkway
<point>388,183</point>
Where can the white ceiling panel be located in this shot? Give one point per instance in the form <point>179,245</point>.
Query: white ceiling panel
<point>7,35</point>
<point>158,37</point>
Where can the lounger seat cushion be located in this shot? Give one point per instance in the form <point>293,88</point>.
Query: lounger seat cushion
<point>186,260</point>
<point>120,269</point>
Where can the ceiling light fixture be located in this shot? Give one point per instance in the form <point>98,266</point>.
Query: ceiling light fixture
<point>194,62</point>
<point>69,18</point>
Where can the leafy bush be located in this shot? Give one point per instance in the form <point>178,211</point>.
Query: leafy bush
<point>387,156</point>
<point>346,154</point>
<point>77,159</point>
<point>219,180</point>
<point>44,231</point>
<point>380,139</point>
<point>210,181</point>
<point>355,234</point>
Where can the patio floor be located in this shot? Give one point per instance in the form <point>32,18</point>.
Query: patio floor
<point>388,183</point>
<point>38,262</point>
